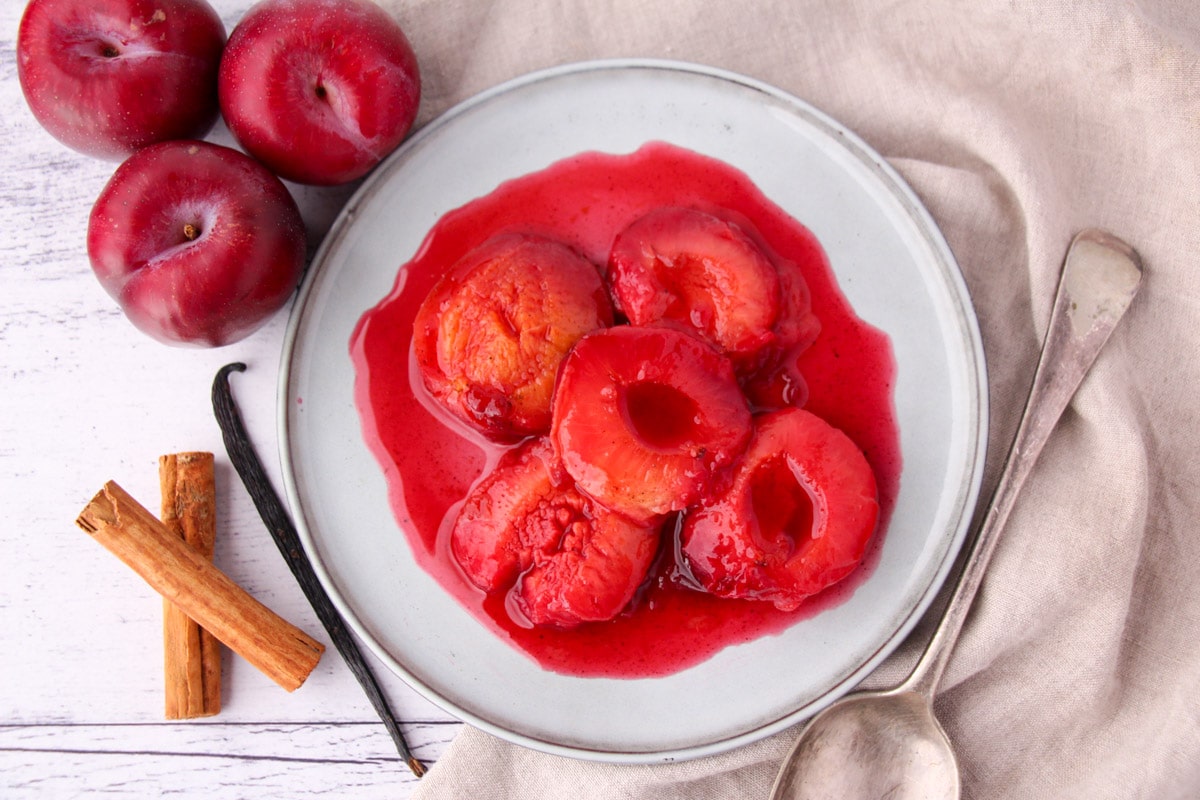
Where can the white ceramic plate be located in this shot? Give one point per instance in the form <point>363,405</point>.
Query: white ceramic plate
<point>891,263</point>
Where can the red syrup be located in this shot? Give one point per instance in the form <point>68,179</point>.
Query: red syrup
<point>431,461</point>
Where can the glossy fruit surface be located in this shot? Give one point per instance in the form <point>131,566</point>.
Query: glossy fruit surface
<point>199,243</point>
<point>798,518</point>
<point>490,336</point>
<point>648,420</point>
<point>771,378</point>
<point>690,268</point>
<point>106,77</point>
<point>525,529</point>
<point>319,90</point>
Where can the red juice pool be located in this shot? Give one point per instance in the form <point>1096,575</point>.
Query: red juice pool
<point>430,460</point>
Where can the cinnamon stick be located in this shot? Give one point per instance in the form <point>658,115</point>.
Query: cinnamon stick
<point>276,647</point>
<point>191,655</point>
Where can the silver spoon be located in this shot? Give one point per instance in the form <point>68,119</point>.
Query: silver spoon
<point>889,744</point>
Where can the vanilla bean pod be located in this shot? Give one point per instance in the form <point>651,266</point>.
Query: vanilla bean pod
<point>275,516</point>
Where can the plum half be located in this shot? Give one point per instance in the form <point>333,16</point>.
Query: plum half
<point>802,508</point>
<point>564,559</point>
<point>490,336</point>
<point>648,420</point>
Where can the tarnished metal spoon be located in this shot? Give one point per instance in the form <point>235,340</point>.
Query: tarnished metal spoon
<point>889,744</point>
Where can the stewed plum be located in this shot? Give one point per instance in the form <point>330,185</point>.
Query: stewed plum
<point>648,420</point>
<point>802,508</point>
<point>693,269</point>
<point>563,558</point>
<point>490,336</point>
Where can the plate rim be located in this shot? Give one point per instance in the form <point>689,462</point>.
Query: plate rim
<point>963,507</point>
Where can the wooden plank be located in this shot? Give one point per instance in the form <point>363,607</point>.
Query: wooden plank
<point>209,760</point>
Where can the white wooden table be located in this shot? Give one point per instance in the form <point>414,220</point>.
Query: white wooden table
<point>87,398</point>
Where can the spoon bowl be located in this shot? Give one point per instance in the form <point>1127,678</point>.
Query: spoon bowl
<point>842,747</point>
<point>889,744</point>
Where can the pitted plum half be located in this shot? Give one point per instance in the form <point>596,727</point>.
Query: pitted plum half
<point>490,336</point>
<point>685,267</point>
<point>563,558</point>
<point>648,420</point>
<point>691,268</point>
<point>802,508</point>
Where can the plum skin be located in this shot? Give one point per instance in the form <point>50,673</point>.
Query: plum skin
<point>198,243</point>
<point>107,77</point>
<point>319,90</point>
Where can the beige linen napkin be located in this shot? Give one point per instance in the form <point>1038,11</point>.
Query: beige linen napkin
<point>1018,123</point>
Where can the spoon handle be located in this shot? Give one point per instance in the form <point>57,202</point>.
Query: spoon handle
<point>1099,280</point>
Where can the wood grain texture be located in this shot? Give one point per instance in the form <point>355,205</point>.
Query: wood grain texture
<point>219,761</point>
<point>81,681</point>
